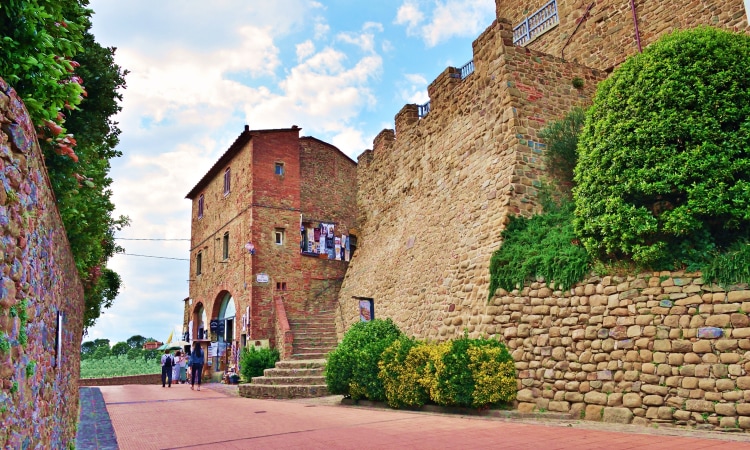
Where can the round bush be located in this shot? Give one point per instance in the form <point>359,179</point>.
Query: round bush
<point>352,367</point>
<point>663,175</point>
<point>402,367</point>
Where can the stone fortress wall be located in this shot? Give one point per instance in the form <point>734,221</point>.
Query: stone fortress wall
<point>602,33</point>
<point>38,281</point>
<point>435,194</point>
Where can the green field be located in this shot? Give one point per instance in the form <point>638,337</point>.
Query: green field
<point>118,366</point>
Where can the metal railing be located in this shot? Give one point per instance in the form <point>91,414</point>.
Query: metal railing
<point>422,110</point>
<point>467,69</point>
<point>536,24</point>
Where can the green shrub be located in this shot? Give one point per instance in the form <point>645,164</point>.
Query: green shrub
<point>544,245</point>
<point>663,175</point>
<point>475,373</point>
<point>253,362</point>
<point>352,368</point>
<point>561,154</point>
<point>730,267</point>
<point>403,366</point>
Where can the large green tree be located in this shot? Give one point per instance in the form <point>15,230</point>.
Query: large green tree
<point>663,175</point>
<point>48,55</point>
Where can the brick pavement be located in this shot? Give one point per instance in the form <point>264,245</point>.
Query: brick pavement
<point>151,417</point>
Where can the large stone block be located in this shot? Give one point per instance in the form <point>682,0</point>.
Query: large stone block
<point>617,415</point>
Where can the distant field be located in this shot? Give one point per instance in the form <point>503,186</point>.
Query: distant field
<point>118,366</point>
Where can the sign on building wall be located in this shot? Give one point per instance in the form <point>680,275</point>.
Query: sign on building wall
<point>261,278</point>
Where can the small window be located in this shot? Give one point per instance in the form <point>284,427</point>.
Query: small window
<point>279,236</point>
<point>225,246</point>
<point>200,207</point>
<point>227,181</point>
<point>199,263</point>
<point>279,169</point>
<point>281,285</point>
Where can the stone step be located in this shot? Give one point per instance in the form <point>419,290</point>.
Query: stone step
<point>298,381</point>
<point>309,355</point>
<point>251,390</point>
<point>310,363</point>
<point>282,373</point>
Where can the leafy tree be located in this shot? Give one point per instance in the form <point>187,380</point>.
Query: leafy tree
<point>46,53</point>
<point>121,348</point>
<point>89,347</point>
<point>135,353</point>
<point>136,341</point>
<point>101,352</point>
<point>663,175</point>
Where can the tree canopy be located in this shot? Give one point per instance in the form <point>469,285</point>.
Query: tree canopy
<point>663,175</point>
<point>48,54</point>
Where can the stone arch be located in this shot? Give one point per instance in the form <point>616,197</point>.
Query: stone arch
<point>225,312</point>
<point>199,327</point>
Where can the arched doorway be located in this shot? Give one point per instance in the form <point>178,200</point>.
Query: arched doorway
<point>226,345</point>
<point>197,326</point>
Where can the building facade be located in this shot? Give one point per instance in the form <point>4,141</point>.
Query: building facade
<point>270,226</point>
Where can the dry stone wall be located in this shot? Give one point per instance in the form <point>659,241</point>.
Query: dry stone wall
<point>651,348</point>
<point>434,195</point>
<point>38,280</point>
<point>602,33</point>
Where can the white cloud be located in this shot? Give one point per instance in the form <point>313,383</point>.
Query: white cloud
<point>413,89</point>
<point>305,49</point>
<point>449,18</point>
<point>410,15</point>
<point>351,141</point>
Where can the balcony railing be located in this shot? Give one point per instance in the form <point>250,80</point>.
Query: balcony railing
<point>422,110</point>
<point>536,24</point>
<point>467,69</point>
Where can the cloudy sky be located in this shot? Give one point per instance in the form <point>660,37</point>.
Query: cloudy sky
<point>200,71</point>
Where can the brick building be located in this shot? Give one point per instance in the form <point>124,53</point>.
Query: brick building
<point>270,240</point>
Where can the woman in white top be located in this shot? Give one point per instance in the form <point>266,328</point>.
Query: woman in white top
<point>176,366</point>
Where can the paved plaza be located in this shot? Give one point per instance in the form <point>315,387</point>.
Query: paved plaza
<point>152,417</point>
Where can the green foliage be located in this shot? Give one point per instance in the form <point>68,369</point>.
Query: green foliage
<point>4,343</point>
<point>135,353</point>
<point>352,368</point>
<point>475,373</point>
<point>730,267</point>
<point>664,156</point>
<point>46,53</point>
<point>121,348</point>
<point>402,368</point>
<point>136,341</point>
<point>38,40</point>
<point>561,154</point>
<point>30,368</point>
<point>101,353</point>
<point>118,366</point>
<point>254,361</point>
<point>89,347</point>
<point>544,245</point>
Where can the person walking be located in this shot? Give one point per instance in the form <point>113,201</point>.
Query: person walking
<point>167,362</point>
<point>196,365</point>
<point>176,367</point>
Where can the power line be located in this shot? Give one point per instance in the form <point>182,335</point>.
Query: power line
<point>146,239</point>
<point>149,256</point>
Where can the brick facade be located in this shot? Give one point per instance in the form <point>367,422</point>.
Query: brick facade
<point>602,33</point>
<point>278,181</point>
<point>41,295</point>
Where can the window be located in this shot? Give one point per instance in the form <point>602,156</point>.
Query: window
<point>225,246</point>
<point>200,207</point>
<point>227,180</point>
<point>281,285</point>
<point>279,169</point>
<point>278,235</point>
<point>199,263</point>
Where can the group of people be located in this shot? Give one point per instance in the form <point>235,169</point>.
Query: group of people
<point>178,366</point>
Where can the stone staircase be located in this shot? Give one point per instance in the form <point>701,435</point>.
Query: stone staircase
<point>302,375</point>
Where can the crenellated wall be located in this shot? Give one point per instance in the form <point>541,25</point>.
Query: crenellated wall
<point>602,33</point>
<point>434,194</point>
<point>38,281</point>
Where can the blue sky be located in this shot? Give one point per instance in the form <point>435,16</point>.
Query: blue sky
<point>200,71</point>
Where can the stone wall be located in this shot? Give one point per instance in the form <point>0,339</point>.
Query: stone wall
<point>38,281</point>
<point>651,348</point>
<point>606,34</point>
<point>434,196</point>
<point>154,378</point>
